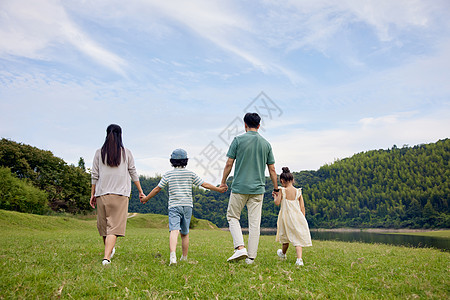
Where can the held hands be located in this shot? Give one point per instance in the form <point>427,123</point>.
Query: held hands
<point>143,198</point>
<point>220,189</point>
<point>223,188</point>
<point>276,198</point>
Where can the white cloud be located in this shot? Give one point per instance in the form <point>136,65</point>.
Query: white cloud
<point>197,64</point>
<point>389,17</point>
<point>314,24</point>
<point>32,28</point>
<point>227,28</point>
<point>302,149</point>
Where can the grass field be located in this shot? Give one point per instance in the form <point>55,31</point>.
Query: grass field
<point>59,257</point>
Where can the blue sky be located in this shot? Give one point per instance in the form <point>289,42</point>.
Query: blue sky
<point>330,78</point>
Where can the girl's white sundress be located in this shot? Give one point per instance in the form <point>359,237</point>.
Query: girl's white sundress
<point>292,226</point>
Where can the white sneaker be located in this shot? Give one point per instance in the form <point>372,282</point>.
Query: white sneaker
<point>173,259</point>
<point>238,255</point>
<point>105,262</point>
<point>112,252</point>
<point>299,262</point>
<point>183,258</point>
<point>249,261</point>
<point>281,254</point>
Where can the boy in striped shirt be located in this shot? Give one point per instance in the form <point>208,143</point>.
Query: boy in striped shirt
<point>180,181</point>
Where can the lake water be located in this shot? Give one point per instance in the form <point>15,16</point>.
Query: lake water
<point>384,238</point>
<point>375,237</point>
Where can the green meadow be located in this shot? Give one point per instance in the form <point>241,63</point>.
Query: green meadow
<point>45,257</point>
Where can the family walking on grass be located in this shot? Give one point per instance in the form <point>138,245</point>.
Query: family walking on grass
<point>250,154</point>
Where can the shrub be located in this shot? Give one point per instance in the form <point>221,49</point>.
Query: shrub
<point>67,186</point>
<point>194,222</point>
<point>20,195</point>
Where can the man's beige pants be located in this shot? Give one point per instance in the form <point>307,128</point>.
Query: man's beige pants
<point>254,207</point>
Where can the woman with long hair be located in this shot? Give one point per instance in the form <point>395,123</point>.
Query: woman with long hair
<point>112,167</point>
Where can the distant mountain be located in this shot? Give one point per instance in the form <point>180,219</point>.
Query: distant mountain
<point>394,188</point>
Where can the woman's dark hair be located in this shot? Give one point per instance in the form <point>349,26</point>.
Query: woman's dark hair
<point>179,162</point>
<point>112,149</point>
<point>286,175</point>
<point>252,120</point>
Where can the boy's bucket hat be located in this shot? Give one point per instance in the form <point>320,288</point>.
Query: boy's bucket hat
<point>179,154</point>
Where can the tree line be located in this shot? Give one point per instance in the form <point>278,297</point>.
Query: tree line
<point>405,187</point>
<point>39,182</point>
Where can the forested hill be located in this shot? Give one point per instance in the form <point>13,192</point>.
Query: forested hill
<point>399,187</point>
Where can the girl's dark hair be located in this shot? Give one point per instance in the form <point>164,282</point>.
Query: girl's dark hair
<point>179,162</point>
<point>286,175</point>
<point>112,149</point>
<point>252,120</point>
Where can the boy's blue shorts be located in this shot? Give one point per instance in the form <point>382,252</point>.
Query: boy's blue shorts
<point>180,218</point>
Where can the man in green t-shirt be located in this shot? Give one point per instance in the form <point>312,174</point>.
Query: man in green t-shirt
<point>252,153</point>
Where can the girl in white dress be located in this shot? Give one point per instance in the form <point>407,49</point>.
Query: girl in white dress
<point>292,226</point>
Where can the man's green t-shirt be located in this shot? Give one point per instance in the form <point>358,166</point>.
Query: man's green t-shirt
<point>252,153</point>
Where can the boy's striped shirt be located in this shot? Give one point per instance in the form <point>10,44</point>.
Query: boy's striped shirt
<point>180,181</point>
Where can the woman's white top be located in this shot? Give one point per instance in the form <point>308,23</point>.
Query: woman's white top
<point>113,180</point>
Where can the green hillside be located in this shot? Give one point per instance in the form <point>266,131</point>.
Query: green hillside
<point>406,187</point>
<point>12,220</point>
<point>399,187</point>
<point>161,221</point>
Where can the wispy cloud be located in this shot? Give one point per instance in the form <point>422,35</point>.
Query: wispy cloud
<point>349,75</point>
<point>324,26</point>
<point>32,29</point>
<point>388,18</point>
<point>227,28</point>
<point>303,149</point>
